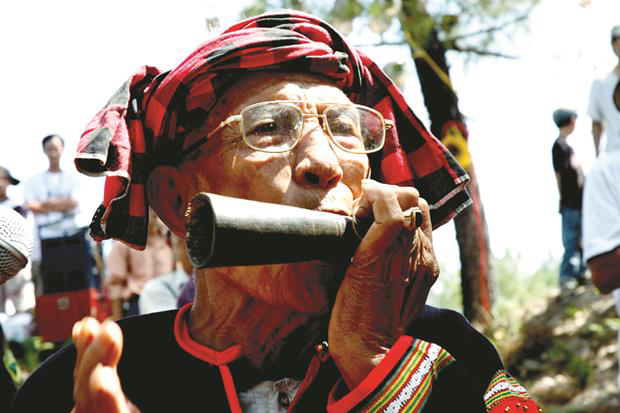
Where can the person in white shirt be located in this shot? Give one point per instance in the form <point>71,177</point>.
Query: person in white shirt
<point>604,103</point>
<point>162,293</point>
<point>51,197</point>
<point>601,225</point>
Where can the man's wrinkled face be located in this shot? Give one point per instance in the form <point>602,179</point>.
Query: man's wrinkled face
<point>315,174</point>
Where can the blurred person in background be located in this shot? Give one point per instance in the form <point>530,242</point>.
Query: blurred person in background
<point>128,269</point>
<point>17,297</point>
<point>604,103</point>
<point>163,292</point>
<point>52,197</point>
<point>601,226</point>
<point>7,179</point>
<point>601,209</point>
<point>15,249</point>
<point>569,177</point>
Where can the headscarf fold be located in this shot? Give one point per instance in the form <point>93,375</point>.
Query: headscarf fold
<point>146,122</point>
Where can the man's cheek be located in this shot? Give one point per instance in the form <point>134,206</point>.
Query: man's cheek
<point>266,177</point>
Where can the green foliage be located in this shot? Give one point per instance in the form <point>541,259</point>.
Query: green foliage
<point>518,294</point>
<point>464,25</point>
<point>33,347</point>
<point>580,368</point>
<point>257,7</point>
<point>571,310</point>
<point>346,9</point>
<point>603,331</point>
<point>559,353</point>
<point>446,293</point>
<point>397,72</point>
<point>593,330</point>
<point>563,357</point>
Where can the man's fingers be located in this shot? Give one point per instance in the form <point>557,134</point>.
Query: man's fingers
<point>391,195</point>
<point>426,225</point>
<point>106,391</point>
<point>386,203</point>
<point>103,393</point>
<point>105,348</point>
<point>423,274</point>
<point>83,333</point>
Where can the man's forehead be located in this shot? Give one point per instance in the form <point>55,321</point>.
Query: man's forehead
<point>264,86</point>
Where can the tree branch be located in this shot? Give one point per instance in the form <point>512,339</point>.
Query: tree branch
<point>490,29</point>
<point>481,52</point>
<point>382,43</point>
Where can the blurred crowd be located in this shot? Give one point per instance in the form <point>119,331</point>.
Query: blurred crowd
<point>69,276</point>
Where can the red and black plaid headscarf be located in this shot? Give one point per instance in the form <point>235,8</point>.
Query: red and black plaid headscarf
<point>146,122</point>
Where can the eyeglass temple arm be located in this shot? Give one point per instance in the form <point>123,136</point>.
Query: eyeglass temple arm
<point>205,138</point>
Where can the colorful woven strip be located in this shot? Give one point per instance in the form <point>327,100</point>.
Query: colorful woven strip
<point>505,392</point>
<point>408,388</point>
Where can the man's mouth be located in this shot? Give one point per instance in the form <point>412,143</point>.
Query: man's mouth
<point>337,211</point>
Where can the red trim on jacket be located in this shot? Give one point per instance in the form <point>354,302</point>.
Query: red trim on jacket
<point>374,378</point>
<point>218,358</point>
<point>187,343</point>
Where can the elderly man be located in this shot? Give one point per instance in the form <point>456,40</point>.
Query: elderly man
<point>278,109</point>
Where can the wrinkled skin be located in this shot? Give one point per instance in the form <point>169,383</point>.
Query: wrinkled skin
<point>382,290</point>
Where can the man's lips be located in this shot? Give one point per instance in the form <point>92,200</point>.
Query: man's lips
<point>337,211</point>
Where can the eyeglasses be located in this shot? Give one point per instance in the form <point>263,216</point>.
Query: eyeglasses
<point>276,126</point>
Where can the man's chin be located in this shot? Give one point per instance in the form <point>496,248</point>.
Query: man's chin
<point>317,286</point>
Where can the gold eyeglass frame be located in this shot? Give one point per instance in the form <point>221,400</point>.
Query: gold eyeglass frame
<point>387,124</point>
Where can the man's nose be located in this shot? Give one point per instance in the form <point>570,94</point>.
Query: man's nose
<point>316,163</point>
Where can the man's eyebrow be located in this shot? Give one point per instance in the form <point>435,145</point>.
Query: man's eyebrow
<point>315,102</point>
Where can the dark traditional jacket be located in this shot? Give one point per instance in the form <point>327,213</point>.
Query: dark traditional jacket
<point>163,370</point>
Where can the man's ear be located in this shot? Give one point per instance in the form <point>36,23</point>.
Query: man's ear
<point>167,191</point>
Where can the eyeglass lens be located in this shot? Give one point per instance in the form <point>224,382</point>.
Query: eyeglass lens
<point>275,127</point>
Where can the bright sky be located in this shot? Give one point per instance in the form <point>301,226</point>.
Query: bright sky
<point>64,59</point>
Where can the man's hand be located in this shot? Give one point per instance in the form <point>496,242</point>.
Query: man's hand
<point>96,385</point>
<point>386,284</point>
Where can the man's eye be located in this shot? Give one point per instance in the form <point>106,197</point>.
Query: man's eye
<point>264,127</point>
<point>344,127</point>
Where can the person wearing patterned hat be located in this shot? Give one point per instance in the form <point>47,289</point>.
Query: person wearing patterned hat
<point>278,108</point>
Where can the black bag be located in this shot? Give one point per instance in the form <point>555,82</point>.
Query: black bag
<point>68,263</point>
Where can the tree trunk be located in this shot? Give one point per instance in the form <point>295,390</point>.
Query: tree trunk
<point>447,124</point>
